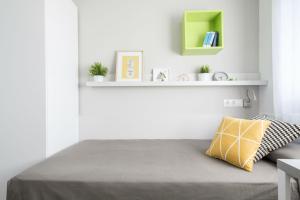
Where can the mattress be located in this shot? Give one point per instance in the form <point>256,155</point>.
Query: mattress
<point>143,170</point>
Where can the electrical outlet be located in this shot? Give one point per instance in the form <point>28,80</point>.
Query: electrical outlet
<point>233,102</point>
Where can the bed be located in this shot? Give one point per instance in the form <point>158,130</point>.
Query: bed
<point>143,170</point>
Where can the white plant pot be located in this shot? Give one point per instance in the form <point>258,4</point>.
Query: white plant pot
<point>98,78</point>
<point>204,77</point>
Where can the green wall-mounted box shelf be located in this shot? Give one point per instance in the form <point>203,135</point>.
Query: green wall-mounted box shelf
<point>196,23</point>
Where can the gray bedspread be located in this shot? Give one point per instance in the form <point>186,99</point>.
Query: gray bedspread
<point>142,170</point>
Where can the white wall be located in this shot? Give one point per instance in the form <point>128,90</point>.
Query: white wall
<point>61,23</point>
<point>155,27</point>
<point>22,87</point>
<point>265,55</point>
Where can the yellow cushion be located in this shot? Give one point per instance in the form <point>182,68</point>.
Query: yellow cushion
<point>237,141</point>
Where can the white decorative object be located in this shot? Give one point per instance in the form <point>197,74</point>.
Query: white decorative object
<point>160,74</point>
<point>98,78</point>
<point>204,77</point>
<point>220,76</point>
<point>183,77</point>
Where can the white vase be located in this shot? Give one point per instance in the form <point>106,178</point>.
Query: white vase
<point>98,78</point>
<point>204,77</point>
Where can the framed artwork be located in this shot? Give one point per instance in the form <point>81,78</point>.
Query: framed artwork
<point>160,74</point>
<point>129,66</point>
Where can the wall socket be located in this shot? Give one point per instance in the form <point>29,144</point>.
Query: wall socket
<point>233,102</point>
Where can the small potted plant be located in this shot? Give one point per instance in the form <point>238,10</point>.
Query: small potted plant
<point>204,73</point>
<point>98,71</point>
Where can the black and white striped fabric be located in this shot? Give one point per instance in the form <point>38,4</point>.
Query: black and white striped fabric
<point>277,135</point>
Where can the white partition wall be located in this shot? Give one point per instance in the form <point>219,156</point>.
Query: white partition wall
<point>61,54</point>
<point>39,87</point>
<point>22,87</point>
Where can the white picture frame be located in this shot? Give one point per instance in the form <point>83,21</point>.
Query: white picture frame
<point>129,66</point>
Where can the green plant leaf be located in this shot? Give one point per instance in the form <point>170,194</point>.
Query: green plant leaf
<point>204,69</point>
<point>97,69</point>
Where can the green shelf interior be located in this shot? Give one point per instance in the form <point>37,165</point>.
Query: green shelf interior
<point>195,26</point>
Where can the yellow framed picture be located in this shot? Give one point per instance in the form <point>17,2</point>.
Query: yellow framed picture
<point>129,66</point>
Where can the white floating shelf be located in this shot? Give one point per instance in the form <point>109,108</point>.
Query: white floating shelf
<point>178,83</point>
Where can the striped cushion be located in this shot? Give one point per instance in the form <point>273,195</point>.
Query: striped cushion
<point>277,135</point>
